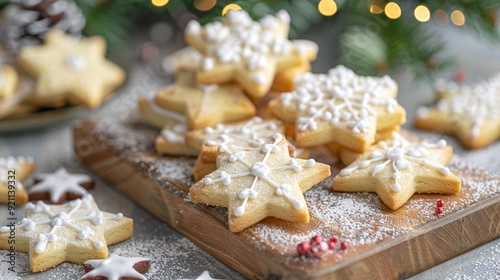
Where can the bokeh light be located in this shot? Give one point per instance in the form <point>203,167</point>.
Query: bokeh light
<point>441,17</point>
<point>159,3</point>
<point>204,5</point>
<point>458,18</point>
<point>230,7</point>
<point>422,13</point>
<point>392,10</point>
<point>327,7</point>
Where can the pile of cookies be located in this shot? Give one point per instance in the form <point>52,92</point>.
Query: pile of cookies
<point>238,68</point>
<point>58,72</point>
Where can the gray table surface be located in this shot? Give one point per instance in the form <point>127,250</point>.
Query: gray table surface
<point>174,256</point>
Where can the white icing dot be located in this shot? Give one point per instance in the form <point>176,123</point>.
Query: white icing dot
<point>208,64</point>
<point>310,163</point>
<point>76,62</point>
<point>396,187</point>
<point>297,204</point>
<point>193,27</point>
<point>208,181</point>
<point>347,171</point>
<point>239,211</point>
<point>97,244</point>
<point>260,170</point>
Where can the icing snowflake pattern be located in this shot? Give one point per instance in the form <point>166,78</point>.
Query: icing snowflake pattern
<point>339,97</point>
<point>114,268</point>
<point>238,38</point>
<point>476,103</point>
<point>399,155</point>
<point>59,183</point>
<point>64,219</point>
<point>260,171</point>
<point>252,134</point>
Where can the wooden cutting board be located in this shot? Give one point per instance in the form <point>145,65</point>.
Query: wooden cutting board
<point>385,244</point>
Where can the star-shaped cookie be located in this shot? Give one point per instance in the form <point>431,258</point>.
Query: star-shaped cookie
<point>396,169</point>
<point>13,170</point>
<point>74,232</point>
<point>260,183</point>
<point>71,70</point>
<point>339,107</point>
<point>471,113</point>
<point>59,186</point>
<point>243,50</point>
<point>204,105</point>
<point>8,81</point>
<point>116,267</point>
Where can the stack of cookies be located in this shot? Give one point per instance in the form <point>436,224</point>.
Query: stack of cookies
<point>237,68</point>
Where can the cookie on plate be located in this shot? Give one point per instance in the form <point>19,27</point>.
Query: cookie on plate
<point>396,169</point>
<point>75,232</point>
<point>260,183</point>
<point>13,170</point>
<point>339,107</point>
<point>70,70</point>
<point>245,51</point>
<point>471,113</point>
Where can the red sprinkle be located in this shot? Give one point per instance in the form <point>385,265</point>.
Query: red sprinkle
<point>303,249</point>
<point>334,239</point>
<point>316,239</point>
<point>344,245</point>
<point>439,210</point>
<point>319,249</point>
<point>331,245</point>
<point>440,203</point>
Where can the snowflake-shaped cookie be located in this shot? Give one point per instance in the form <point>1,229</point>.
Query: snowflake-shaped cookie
<point>396,169</point>
<point>259,183</point>
<point>246,51</point>
<point>339,107</point>
<point>470,113</point>
<point>75,232</point>
<point>13,170</point>
<point>60,186</point>
<point>116,267</point>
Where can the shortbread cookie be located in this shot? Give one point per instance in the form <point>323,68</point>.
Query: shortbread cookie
<point>205,105</point>
<point>472,114</point>
<point>116,267</point>
<point>8,81</point>
<point>172,142</point>
<point>186,59</point>
<point>158,116</point>
<point>396,169</point>
<point>260,183</point>
<point>70,70</point>
<point>60,186</point>
<point>246,51</point>
<point>13,170</point>
<point>75,232</point>
<point>339,107</point>
<point>283,81</point>
<point>11,104</point>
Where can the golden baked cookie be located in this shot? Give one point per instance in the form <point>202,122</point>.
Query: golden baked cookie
<point>8,81</point>
<point>260,183</point>
<point>396,169</point>
<point>471,113</point>
<point>339,107</point>
<point>245,51</point>
<point>172,141</point>
<point>204,105</point>
<point>73,232</point>
<point>13,170</point>
<point>70,70</point>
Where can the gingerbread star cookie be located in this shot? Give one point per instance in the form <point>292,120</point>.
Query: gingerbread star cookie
<point>243,50</point>
<point>59,186</point>
<point>13,170</point>
<point>74,232</point>
<point>116,267</point>
<point>204,105</point>
<point>67,69</point>
<point>396,169</point>
<point>339,107</point>
<point>472,114</point>
<point>260,183</point>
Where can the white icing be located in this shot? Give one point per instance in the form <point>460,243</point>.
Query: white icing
<point>339,98</point>
<point>169,114</point>
<point>260,171</point>
<point>64,220</point>
<point>399,154</point>
<point>474,104</point>
<point>245,136</point>
<point>76,62</point>
<point>115,267</point>
<point>176,134</point>
<point>59,183</point>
